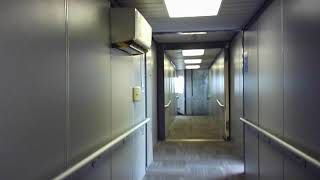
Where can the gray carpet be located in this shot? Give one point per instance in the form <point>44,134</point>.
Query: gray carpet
<point>195,161</point>
<point>195,127</point>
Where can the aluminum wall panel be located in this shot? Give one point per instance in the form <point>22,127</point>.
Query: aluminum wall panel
<point>151,89</point>
<point>90,103</point>
<point>199,93</point>
<point>251,78</point>
<point>89,85</point>
<point>270,57</point>
<point>98,169</point>
<point>288,87</point>
<point>171,111</point>
<point>56,92</point>
<point>251,101</point>
<point>217,92</point>
<point>128,72</point>
<point>271,69</point>
<point>33,90</point>
<point>122,162</point>
<point>251,154</point>
<point>302,83</point>
<point>236,94</point>
<point>188,87</point>
<point>181,96</point>
<point>139,138</point>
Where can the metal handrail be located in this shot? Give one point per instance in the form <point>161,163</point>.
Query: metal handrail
<point>99,152</point>
<point>219,103</point>
<point>167,105</point>
<point>284,144</point>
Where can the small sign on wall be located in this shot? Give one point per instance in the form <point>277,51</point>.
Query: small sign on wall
<point>245,62</point>
<point>136,94</point>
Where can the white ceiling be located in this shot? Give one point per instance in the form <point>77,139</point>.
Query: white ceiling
<point>232,16</point>
<point>176,57</point>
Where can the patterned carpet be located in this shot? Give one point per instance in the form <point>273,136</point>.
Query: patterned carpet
<point>195,161</point>
<point>195,127</point>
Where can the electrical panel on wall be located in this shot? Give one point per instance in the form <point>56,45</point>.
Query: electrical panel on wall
<point>130,32</point>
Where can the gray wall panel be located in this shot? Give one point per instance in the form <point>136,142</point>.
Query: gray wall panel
<point>122,161</point>
<point>139,154</point>
<point>90,117</point>
<point>271,69</point>
<point>128,72</point>
<point>99,169</point>
<point>270,89</point>
<point>251,78</point>
<point>199,100</point>
<point>270,160</point>
<point>236,93</point>
<point>32,92</point>
<point>181,99</point>
<point>169,89</point>
<point>216,92</point>
<point>251,154</point>
<point>152,130</point>
<point>56,92</point>
<point>251,101</point>
<point>288,88</point>
<point>302,83</point>
<point>188,87</point>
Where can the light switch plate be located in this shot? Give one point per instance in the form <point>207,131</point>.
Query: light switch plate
<point>136,94</point>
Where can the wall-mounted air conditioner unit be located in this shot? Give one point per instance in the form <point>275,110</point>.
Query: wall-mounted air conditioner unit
<point>130,32</point>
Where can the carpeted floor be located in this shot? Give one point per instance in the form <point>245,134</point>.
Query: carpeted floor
<point>195,127</point>
<point>195,161</point>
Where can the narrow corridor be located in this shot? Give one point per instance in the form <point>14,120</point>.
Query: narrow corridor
<point>159,90</point>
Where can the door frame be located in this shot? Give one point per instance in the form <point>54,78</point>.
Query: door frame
<point>161,47</point>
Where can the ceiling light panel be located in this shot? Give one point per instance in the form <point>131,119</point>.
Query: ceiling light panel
<point>193,52</point>
<point>192,8</point>
<point>193,67</point>
<point>192,61</point>
<point>192,33</point>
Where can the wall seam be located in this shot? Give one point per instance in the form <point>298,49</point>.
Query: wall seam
<point>283,80</point>
<point>67,66</point>
<point>258,80</point>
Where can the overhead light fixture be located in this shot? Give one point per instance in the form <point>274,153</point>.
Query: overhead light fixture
<point>193,67</point>
<point>192,8</point>
<point>192,33</point>
<point>192,61</point>
<point>193,52</point>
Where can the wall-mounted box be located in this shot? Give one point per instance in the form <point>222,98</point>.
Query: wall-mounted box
<point>130,32</point>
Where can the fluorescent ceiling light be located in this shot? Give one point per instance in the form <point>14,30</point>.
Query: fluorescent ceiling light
<point>192,33</point>
<point>192,61</point>
<point>192,8</point>
<point>193,52</point>
<point>193,67</point>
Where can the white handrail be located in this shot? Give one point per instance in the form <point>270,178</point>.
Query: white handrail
<point>219,103</point>
<point>99,152</point>
<point>167,105</point>
<point>284,144</point>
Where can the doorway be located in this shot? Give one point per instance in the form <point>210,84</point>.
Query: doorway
<point>195,117</point>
